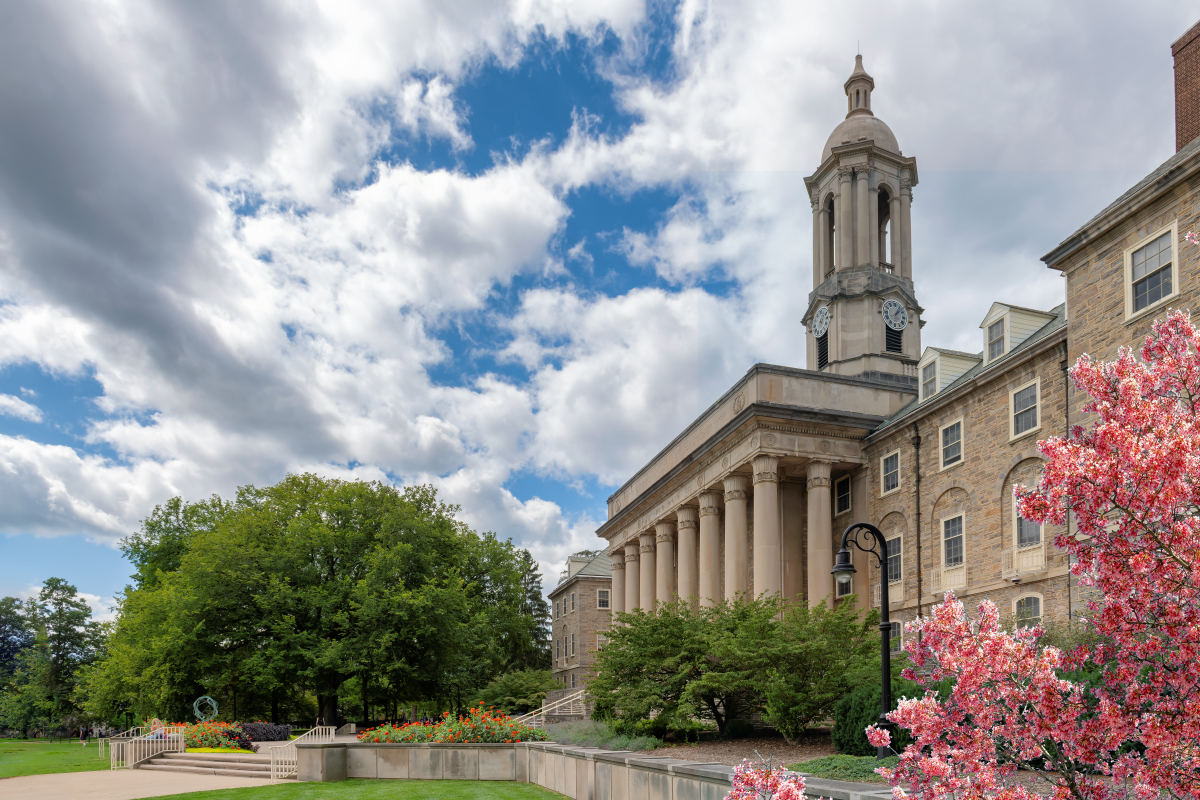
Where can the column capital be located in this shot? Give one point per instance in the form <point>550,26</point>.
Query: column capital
<point>646,542</point>
<point>618,563</point>
<point>735,487</point>
<point>664,531</point>
<point>766,468</point>
<point>708,503</point>
<point>845,172</point>
<point>686,517</point>
<point>818,473</point>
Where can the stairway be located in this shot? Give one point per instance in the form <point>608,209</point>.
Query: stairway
<point>231,764</point>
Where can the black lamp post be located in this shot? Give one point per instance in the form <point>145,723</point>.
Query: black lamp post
<point>843,570</point>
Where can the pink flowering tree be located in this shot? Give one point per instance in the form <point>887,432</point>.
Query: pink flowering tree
<point>761,781</point>
<point>1131,483</point>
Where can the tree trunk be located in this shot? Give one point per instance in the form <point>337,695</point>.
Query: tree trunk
<point>274,708</point>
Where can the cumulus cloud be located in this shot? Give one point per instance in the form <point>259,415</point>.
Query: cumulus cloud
<point>11,406</point>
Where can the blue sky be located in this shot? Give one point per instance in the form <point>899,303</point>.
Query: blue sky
<point>506,249</point>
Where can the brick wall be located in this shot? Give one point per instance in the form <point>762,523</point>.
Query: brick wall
<point>1186,52</point>
<point>585,622</point>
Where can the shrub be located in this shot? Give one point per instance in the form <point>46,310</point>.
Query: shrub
<point>266,732</point>
<point>855,711</point>
<point>846,768</point>
<point>595,733</point>
<point>738,729</point>
<point>479,726</point>
<point>518,692</point>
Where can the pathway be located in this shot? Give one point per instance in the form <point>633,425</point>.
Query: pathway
<point>119,784</point>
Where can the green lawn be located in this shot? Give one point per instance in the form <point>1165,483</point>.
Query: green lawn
<point>380,790</point>
<point>39,757</point>
<point>845,768</point>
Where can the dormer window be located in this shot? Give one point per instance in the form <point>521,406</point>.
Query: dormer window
<point>995,343</point>
<point>929,380</point>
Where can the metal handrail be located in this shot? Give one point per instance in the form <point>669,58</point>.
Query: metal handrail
<point>131,751</point>
<point>284,758</point>
<point>571,704</point>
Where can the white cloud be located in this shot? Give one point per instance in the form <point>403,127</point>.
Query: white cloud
<point>11,406</point>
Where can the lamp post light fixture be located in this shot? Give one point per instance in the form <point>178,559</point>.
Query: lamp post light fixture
<point>843,571</point>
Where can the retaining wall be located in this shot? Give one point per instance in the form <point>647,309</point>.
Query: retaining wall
<point>581,773</point>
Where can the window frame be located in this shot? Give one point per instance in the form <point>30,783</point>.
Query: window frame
<point>1041,607</point>
<point>962,444</point>
<point>1012,413</point>
<point>883,474</point>
<point>942,538</point>
<point>845,479</point>
<point>838,594</point>
<point>937,378</point>
<point>572,645</point>
<point>887,567</point>
<point>604,598</point>
<point>1127,271</point>
<point>987,342</point>
<point>1016,529</point>
<point>572,601</point>
<point>896,637</point>
<point>601,640</point>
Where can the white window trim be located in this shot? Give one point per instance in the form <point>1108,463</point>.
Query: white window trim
<point>837,587</point>
<point>1012,416</point>
<point>850,495</point>
<point>937,377</point>
<point>899,473</point>
<point>1041,604</point>
<point>897,636</point>
<point>1130,314</point>
<point>1016,531</point>
<point>962,444</point>
<point>608,599</point>
<point>573,594</point>
<point>887,539</point>
<point>1007,340</point>
<point>942,538</point>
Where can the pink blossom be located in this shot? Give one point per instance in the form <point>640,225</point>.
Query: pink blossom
<point>878,737</point>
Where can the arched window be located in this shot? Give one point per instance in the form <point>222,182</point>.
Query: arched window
<point>1028,610</point>
<point>857,98</point>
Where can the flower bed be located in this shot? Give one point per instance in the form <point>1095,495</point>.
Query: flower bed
<point>480,726</point>
<point>215,734</point>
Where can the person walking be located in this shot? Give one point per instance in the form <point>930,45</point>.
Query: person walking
<point>83,736</point>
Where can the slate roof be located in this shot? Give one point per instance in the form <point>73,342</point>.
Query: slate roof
<point>1049,329</point>
<point>598,567</point>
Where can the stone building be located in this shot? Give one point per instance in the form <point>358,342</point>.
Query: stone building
<point>926,444</point>
<point>581,606</point>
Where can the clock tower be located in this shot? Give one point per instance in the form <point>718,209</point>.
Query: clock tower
<point>863,318</point>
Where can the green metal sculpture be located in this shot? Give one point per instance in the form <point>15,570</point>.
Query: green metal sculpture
<point>199,707</point>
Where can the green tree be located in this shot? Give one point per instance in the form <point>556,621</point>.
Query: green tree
<point>518,692</point>
<point>15,636</point>
<point>164,537</point>
<point>26,702</point>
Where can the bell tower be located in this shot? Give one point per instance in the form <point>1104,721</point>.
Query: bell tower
<point>863,318</point>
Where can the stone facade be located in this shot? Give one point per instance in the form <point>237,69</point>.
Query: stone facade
<point>581,607</point>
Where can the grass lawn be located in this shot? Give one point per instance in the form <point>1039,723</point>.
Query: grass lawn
<point>845,768</point>
<point>380,790</point>
<point>39,757</point>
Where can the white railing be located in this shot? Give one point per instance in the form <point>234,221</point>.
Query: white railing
<point>895,593</point>
<point>116,745</point>
<point>943,579</point>
<point>283,756</point>
<point>1016,561</point>
<point>571,705</point>
<point>127,753</point>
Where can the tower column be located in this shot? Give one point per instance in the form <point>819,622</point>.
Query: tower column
<point>845,230</point>
<point>616,597</point>
<point>632,564</point>
<point>710,549</point>
<point>894,245</point>
<point>767,577</point>
<point>862,237</point>
<point>736,550</point>
<point>905,227</point>
<point>664,584</point>
<point>646,556</point>
<point>820,533</point>
<point>873,222</point>
<point>686,522</point>
<point>820,222</point>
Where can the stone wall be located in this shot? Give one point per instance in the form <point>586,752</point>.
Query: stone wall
<point>585,622</point>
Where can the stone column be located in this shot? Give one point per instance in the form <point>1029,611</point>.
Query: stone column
<point>873,223</point>
<point>767,554</point>
<point>710,549</point>
<point>905,226</point>
<point>616,595</point>
<point>820,534</point>
<point>632,565</point>
<point>664,584</point>
<point>646,590</point>
<point>736,550</point>
<point>862,224</point>
<point>818,230</point>
<point>689,557</point>
<point>894,237</point>
<point>845,228</point>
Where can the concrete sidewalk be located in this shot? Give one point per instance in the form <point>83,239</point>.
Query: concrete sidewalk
<point>120,784</point>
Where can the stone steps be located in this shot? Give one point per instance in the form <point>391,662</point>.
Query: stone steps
<point>229,764</point>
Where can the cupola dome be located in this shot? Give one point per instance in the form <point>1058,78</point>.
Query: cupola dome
<point>860,124</point>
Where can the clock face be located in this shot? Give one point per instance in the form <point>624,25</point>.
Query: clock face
<point>895,315</point>
<point>820,322</point>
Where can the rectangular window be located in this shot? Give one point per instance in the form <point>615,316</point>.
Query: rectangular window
<point>557,649</point>
<point>572,680</point>
<point>895,563</point>
<point>952,444</point>
<point>1025,409</point>
<point>891,472</point>
<point>600,640</point>
<point>1029,611</point>
<point>929,380</point>
<point>952,541</point>
<point>894,638</point>
<point>572,601</point>
<point>822,351</point>
<point>602,598</point>
<point>842,495</point>
<point>893,340</point>
<point>1029,533</point>
<point>1150,270</point>
<point>572,644</point>
<point>996,339</point>
<point>841,590</point>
